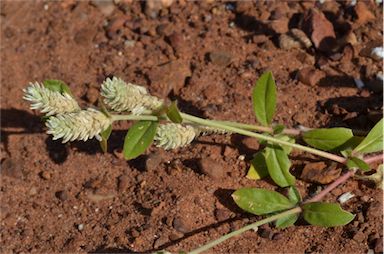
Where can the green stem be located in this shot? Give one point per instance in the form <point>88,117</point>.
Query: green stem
<point>262,137</point>
<point>235,128</point>
<point>246,228</point>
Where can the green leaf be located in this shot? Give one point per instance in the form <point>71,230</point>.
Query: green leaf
<point>346,148</point>
<point>287,149</point>
<point>57,86</point>
<point>278,129</point>
<point>264,98</point>
<point>374,140</point>
<point>258,168</point>
<point>286,221</point>
<point>278,165</point>
<point>173,113</point>
<point>327,139</point>
<point>354,162</point>
<point>326,214</point>
<point>294,195</point>
<point>104,138</point>
<point>260,201</point>
<point>138,138</point>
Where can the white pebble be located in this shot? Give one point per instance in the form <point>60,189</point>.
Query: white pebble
<point>345,197</point>
<point>377,53</point>
<point>241,157</point>
<point>46,7</point>
<point>359,84</point>
<point>80,227</point>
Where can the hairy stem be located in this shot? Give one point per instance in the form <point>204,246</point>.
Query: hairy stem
<point>246,228</point>
<point>219,125</point>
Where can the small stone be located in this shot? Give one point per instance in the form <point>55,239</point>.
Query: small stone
<point>164,30</point>
<point>359,237</point>
<point>319,172</point>
<point>379,245</point>
<point>153,161</point>
<point>320,30</point>
<point>363,13</point>
<point>295,38</point>
<point>222,214</point>
<point>92,95</point>
<point>11,168</point>
<point>80,227</point>
<point>61,195</point>
<point>220,58</point>
<point>310,76</point>
<point>175,236</point>
<point>46,175</point>
<point>280,26</point>
<point>259,38</point>
<point>266,233</point>
<point>179,225</point>
<point>105,6</point>
<point>33,191</point>
<point>123,183</point>
<point>211,168</point>
<point>178,43</point>
<point>277,236</point>
<point>163,239</point>
<point>251,143</point>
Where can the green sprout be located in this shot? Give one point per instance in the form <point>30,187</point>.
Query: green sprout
<point>163,124</point>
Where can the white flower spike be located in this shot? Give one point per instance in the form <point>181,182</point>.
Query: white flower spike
<point>48,101</point>
<point>121,96</point>
<point>82,125</point>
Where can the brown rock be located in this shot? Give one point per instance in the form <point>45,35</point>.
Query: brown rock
<point>46,175</point>
<point>320,30</point>
<point>251,143</point>
<point>220,58</point>
<point>170,76</point>
<point>153,161</point>
<point>310,76</point>
<point>105,6</point>
<point>11,168</point>
<point>178,43</point>
<point>359,237</point>
<point>62,195</point>
<point>379,245</point>
<point>319,172</point>
<point>211,168</point>
<point>180,226</point>
<point>280,26</point>
<point>363,14</point>
<point>222,214</point>
<point>122,183</point>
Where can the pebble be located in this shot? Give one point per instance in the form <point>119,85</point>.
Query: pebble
<point>211,168</point>
<point>222,214</point>
<point>280,26</point>
<point>46,175</point>
<point>363,13</point>
<point>379,245</point>
<point>178,43</point>
<point>153,161</point>
<point>175,236</point>
<point>266,233</point>
<point>295,38</point>
<point>359,237</point>
<point>179,225</point>
<point>33,191</point>
<point>80,227</point>
<point>251,143</point>
<point>105,6</point>
<point>319,172</point>
<point>11,168</point>
<point>310,76</point>
<point>320,30</point>
<point>61,195</point>
<point>220,58</point>
<point>122,183</point>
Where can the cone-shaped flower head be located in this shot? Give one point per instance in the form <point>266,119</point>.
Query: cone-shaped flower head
<point>82,125</point>
<point>48,101</point>
<point>121,96</point>
<point>172,135</point>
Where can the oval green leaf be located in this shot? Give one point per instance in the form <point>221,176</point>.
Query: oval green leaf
<point>264,98</point>
<point>287,149</point>
<point>138,138</point>
<point>258,168</point>
<point>327,139</point>
<point>286,221</point>
<point>326,214</point>
<point>260,201</point>
<point>278,165</point>
<point>173,113</point>
<point>294,195</point>
<point>57,86</point>
<point>374,140</point>
<point>104,138</point>
<point>357,163</point>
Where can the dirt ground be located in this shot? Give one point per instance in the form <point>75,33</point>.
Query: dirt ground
<point>73,198</point>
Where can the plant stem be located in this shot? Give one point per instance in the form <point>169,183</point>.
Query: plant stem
<point>374,158</point>
<point>246,228</point>
<point>134,117</point>
<point>262,137</point>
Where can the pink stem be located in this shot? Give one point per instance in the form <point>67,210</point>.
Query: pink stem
<point>374,158</point>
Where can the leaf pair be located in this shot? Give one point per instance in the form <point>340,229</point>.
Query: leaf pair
<point>261,202</point>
